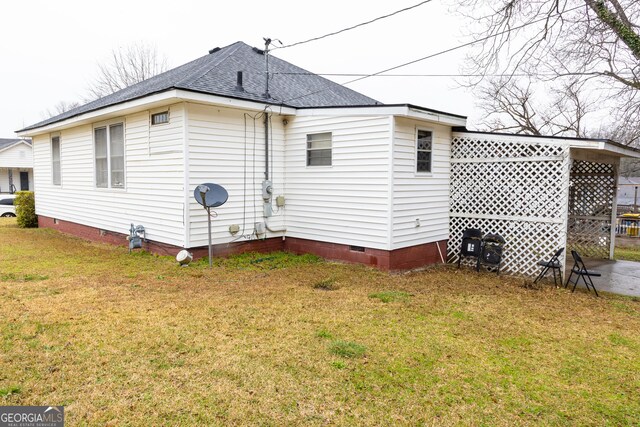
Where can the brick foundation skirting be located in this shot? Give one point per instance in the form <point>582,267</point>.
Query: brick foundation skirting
<point>399,259</point>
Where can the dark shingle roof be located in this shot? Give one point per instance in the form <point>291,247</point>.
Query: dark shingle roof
<point>216,74</point>
<point>7,142</point>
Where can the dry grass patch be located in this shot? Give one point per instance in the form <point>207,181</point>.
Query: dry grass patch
<point>136,340</point>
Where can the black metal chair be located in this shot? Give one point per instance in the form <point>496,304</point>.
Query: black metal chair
<point>553,264</point>
<point>580,270</point>
<point>471,244</point>
<point>492,248</point>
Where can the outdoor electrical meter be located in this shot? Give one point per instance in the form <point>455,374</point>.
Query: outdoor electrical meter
<point>267,191</point>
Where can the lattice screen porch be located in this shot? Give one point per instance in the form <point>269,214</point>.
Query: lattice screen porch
<point>524,188</point>
<point>591,203</point>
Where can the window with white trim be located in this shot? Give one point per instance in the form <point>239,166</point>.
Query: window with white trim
<point>109,155</point>
<point>319,149</point>
<point>424,146</point>
<point>56,175</point>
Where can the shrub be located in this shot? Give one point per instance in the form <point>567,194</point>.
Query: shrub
<point>26,209</point>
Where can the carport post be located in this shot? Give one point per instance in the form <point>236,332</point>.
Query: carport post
<point>614,210</point>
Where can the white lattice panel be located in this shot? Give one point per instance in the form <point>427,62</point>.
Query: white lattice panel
<point>514,187</point>
<point>590,207</point>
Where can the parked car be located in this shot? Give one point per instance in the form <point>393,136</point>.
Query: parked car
<point>7,207</point>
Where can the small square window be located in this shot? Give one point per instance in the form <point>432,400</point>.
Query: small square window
<point>160,118</point>
<point>424,145</point>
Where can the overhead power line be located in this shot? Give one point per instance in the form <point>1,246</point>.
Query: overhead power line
<point>354,26</point>
<point>442,52</point>
<point>567,74</point>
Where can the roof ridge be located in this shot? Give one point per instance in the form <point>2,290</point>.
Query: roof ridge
<point>210,65</point>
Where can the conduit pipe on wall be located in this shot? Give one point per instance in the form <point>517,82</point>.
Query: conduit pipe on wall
<point>274,230</point>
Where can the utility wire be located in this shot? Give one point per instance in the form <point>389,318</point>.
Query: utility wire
<point>459,46</point>
<point>595,73</point>
<point>352,27</point>
<point>433,55</point>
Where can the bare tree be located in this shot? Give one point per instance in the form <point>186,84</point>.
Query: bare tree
<point>511,105</point>
<point>595,41</point>
<point>59,108</point>
<point>127,66</point>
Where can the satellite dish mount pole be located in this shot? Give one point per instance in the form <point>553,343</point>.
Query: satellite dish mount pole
<point>210,196</point>
<point>209,235</point>
<point>203,189</point>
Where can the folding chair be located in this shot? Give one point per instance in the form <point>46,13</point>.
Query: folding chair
<point>553,264</point>
<point>580,270</point>
<point>471,244</point>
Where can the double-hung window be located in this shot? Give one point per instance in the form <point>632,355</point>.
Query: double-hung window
<point>109,155</point>
<point>424,147</point>
<point>319,149</point>
<point>56,175</point>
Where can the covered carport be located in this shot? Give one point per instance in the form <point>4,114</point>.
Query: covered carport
<point>539,193</point>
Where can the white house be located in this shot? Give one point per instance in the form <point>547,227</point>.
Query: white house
<point>16,165</point>
<point>628,194</point>
<point>351,178</point>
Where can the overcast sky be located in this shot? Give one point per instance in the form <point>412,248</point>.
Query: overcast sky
<point>50,49</point>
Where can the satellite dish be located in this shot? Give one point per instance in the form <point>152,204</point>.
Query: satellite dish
<point>214,195</point>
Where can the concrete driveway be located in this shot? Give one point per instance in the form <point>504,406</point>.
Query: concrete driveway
<point>618,277</point>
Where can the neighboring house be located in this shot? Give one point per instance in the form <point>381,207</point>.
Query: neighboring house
<point>16,165</point>
<point>360,181</point>
<point>629,191</point>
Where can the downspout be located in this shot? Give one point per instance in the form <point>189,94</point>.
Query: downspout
<point>266,145</point>
<point>186,220</point>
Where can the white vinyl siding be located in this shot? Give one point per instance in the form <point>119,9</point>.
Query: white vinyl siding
<point>17,156</point>
<point>154,193</point>
<point>419,195</point>
<point>370,195</point>
<point>162,136</point>
<point>223,149</point>
<point>56,173</point>
<point>346,203</point>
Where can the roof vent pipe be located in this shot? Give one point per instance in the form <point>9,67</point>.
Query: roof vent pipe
<point>239,82</point>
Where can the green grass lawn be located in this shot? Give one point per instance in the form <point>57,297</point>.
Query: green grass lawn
<point>283,340</point>
<point>629,253</point>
